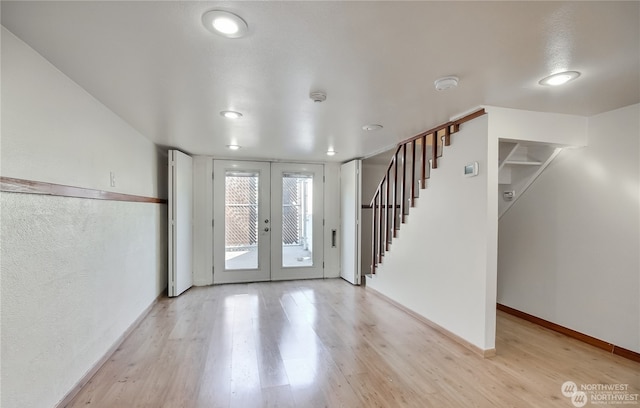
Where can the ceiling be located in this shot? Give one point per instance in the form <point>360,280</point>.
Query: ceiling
<point>155,65</point>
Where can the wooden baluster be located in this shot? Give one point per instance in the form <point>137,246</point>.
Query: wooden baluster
<point>381,246</point>
<point>413,173</point>
<point>423,183</point>
<point>447,136</point>
<point>403,195</point>
<point>383,221</point>
<point>374,235</point>
<point>387,222</point>
<point>396,227</point>
<point>434,148</point>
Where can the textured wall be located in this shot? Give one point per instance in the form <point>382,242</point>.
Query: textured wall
<point>75,274</point>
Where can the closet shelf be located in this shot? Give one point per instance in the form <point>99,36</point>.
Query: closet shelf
<point>523,163</point>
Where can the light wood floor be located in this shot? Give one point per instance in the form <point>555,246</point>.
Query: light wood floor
<point>329,344</point>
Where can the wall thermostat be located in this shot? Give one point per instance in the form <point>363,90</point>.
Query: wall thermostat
<point>471,169</point>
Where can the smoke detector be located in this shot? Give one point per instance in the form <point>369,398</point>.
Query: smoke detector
<point>442,84</point>
<point>318,96</point>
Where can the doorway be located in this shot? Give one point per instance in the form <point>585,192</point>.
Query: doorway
<point>267,221</point>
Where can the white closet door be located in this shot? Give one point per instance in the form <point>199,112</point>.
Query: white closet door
<point>350,208</point>
<point>180,222</point>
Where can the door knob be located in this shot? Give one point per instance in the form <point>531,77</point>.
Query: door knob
<point>266,229</point>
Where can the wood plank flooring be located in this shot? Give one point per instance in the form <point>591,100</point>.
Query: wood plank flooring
<point>325,343</point>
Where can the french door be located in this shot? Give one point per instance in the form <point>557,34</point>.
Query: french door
<point>267,221</point>
<point>297,213</point>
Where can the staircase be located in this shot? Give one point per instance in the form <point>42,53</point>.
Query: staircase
<point>408,171</point>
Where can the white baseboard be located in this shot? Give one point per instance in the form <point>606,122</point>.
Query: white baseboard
<point>477,350</point>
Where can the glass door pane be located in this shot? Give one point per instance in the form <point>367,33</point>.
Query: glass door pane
<point>241,220</point>
<point>297,211</point>
<point>297,216</point>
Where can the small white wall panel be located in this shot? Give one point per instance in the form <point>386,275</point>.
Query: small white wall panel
<point>332,254</point>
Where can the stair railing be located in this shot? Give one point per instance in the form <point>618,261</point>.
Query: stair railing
<point>407,174</point>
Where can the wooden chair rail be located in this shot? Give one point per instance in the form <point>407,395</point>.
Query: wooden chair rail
<point>15,185</point>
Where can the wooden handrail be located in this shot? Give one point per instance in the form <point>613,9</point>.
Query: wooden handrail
<point>384,227</point>
<point>370,207</point>
<point>453,126</point>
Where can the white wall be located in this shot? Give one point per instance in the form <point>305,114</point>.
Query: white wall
<point>542,127</point>
<point>442,265</point>
<point>53,131</point>
<point>568,249</point>
<point>76,273</point>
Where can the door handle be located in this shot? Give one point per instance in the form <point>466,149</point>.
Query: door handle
<point>266,229</point>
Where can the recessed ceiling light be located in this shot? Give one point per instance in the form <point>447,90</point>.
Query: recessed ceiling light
<point>231,114</point>
<point>442,84</point>
<point>331,153</point>
<point>372,127</point>
<point>233,147</point>
<point>559,78</point>
<point>225,23</point>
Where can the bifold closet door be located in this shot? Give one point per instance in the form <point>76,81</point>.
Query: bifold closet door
<point>180,222</point>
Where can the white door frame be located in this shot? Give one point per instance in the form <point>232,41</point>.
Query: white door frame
<point>269,222</point>
<point>262,272</point>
